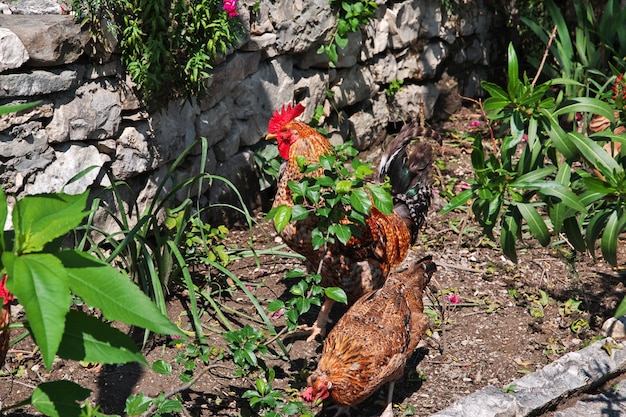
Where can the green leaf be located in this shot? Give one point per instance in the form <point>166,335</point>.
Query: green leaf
<point>621,309</point>
<point>40,282</point>
<point>59,398</point>
<point>382,199</point>
<point>88,339</point>
<point>14,108</point>
<point>458,201</point>
<point>586,105</point>
<point>137,404</point>
<point>513,72</point>
<point>594,228</point>
<point>342,231</point>
<point>360,201</point>
<point>162,367</point>
<point>508,236</point>
<point>39,219</point>
<point>298,212</point>
<point>100,285</point>
<point>343,186</point>
<point>275,306</point>
<point>572,231</point>
<point>282,216</point>
<point>336,294</point>
<point>535,222</point>
<point>610,236</point>
<point>531,179</point>
<point>595,154</point>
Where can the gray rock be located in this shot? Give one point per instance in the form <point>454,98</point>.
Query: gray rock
<point>229,75</point>
<point>357,84</point>
<point>37,82</point>
<point>49,39</point>
<point>369,124</point>
<point>70,160</point>
<point>94,113</point>
<point>36,7</point>
<point>13,54</point>
<point>44,110</point>
<point>615,328</point>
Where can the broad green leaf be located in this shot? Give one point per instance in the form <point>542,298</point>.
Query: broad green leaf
<point>594,228</point>
<point>137,404</point>
<point>39,219</point>
<point>336,294</point>
<point>298,212</point>
<point>382,199</point>
<point>531,179</point>
<point>552,189</point>
<point>104,287</point>
<point>513,72</point>
<point>508,236</point>
<point>40,283</point>
<point>342,231</point>
<point>572,231</point>
<point>88,339</point>
<point>317,239</point>
<point>535,222</point>
<point>559,137</point>
<point>360,201</point>
<point>282,216</point>
<point>495,91</point>
<point>162,367</point>
<point>343,186</point>
<point>458,201</point>
<point>586,105</point>
<point>610,236</point>
<point>275,306</point>
<point>596,155</point>
<point>59,398</point>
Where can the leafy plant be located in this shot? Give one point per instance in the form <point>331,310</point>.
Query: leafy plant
<point>44,276</point>
<point>394,87</point>
<point>530,175</point>
<point>245,344</point>
<point>351,16</point>
<point>340,193</point>
<point>168,47</point>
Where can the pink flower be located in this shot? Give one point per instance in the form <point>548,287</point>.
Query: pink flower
<point>175,336</point>
<point>462,186</point>
<point>230,6</point>
<point>475,123</point>
<point>278,314</point>
<point>524,137</point>
<point>453,298</point>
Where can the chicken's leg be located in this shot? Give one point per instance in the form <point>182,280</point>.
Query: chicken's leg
<point>319,326</point>
<point>388,412</point>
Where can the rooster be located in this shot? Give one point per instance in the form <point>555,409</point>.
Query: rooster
<point>370,344</point>
<point>363,263</point>
<point>5,319</point>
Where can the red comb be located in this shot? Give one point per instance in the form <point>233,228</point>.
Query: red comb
<point>285,115</point>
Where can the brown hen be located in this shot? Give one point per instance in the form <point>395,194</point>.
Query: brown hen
<point>364,262</point>
<point>5,319</point>
<point>371,343</point>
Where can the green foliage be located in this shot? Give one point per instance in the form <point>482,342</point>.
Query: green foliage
<point>245,344</point>
<point>168,47</point>
<point>269,402</point>
<point>530,176</point>
<point>394,87</point>
<point>341,193</point>
<point>351,16</point>
<point>44,276</point>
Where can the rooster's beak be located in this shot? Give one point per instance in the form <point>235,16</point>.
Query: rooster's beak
<point>270,136</point>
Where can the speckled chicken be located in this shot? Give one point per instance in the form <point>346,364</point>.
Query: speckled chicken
<point>364,262</point>
<point>370,344</point>
<point>5,319</point>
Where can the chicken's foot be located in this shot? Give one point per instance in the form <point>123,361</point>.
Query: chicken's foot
<point>388,412</point>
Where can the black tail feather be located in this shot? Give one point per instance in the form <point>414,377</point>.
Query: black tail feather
<point>408,161</point>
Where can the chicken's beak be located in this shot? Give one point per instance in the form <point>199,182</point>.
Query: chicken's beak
<point>270,136</point>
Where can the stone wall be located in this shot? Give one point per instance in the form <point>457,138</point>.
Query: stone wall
<point>89,116</point>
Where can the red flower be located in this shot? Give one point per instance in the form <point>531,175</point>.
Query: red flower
<point>230,6</point>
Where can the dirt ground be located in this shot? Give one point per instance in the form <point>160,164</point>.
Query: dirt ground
<point>511,319</point>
